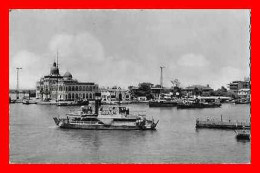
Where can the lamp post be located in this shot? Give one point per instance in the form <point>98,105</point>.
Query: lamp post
<point>17,84</point>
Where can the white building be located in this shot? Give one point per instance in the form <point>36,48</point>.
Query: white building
<point>114,94</point>
<point>57,87</point>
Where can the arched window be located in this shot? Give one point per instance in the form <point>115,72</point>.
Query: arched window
<point>69,96</point>
<point>90,95</point>
<point>72,95</point>
<point>76,88</point>
<point>76,96</point>
<point>72,88</point>
<point>69,88</point>
<point>79,88</point>
<point>84,96</point>
<point>84,88</point>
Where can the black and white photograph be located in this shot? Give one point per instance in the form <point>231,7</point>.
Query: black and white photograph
<point>129,86</point>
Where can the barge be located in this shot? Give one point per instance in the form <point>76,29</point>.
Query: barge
<point>219,124</point>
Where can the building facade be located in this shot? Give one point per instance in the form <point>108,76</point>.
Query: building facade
<point>57,87</point>
<point>235,86</point>
<point>115,94</point>
<point>244,93</point>
<point>197,90</point>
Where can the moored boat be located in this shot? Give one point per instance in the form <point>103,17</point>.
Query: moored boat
<point>163,103</point>
<point>242,101</point>
<point>243,134</point>
<point>73,103</point>
<point>203,102</point>
<point>26,101</point>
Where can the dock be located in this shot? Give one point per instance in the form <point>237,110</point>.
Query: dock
<point>219,124</point>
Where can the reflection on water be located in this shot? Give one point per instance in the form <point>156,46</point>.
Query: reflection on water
<point>34,138</point>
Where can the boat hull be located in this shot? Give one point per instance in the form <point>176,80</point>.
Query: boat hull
<point>96,126</point>
<point>158,104</point>
<point>192,106</point>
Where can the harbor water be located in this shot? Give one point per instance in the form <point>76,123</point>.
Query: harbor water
<point>34,138</point>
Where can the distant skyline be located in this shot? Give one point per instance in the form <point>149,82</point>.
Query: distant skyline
<point>127,47</point>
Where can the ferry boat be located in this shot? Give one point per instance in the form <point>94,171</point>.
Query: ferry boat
<point>115,118</point>
<point>203,102</point>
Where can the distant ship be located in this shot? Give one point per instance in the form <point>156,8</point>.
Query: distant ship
<point>162,103</point>
<point>203,102</point>
<point>115,118</point>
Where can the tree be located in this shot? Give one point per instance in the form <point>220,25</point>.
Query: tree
<point>144,89</point>
<point>197,91</point>
<point>176,83</point>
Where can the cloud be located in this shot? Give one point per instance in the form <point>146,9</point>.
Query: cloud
<point>193,60</point>
<point>33,67</point>
<point>82,46</point>
<point>113,47</point>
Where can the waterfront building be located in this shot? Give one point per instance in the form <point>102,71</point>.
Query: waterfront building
<point>141,98</point>
<point>197,90</point>
<point>235,86</point>
<point>22,93</point>
<point>63,87</point>
<point>244,93</point>
<point>115,94</point>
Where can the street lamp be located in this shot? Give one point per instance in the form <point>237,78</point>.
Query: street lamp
<point>17,84</point>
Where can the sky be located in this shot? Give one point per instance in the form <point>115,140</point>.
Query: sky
<point>127,47</point>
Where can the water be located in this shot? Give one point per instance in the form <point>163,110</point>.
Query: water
<point>34,138</point>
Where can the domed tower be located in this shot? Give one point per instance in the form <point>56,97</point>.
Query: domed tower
<point>54,70</point>
<point>67,76</point>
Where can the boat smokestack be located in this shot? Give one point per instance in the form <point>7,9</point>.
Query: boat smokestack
<point>97,102</point>
<point>97,105</point>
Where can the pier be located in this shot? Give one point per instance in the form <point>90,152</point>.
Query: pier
<point>219,124</point>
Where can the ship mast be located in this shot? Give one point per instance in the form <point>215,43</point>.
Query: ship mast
<point>57,75</point>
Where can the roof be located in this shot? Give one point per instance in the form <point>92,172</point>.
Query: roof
<point>67,74</point>
<point>199,87</point>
